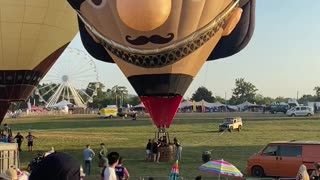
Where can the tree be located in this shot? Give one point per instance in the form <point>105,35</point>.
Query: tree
<point>317,89</point>
<point>281,99</point>
<point>96,87</point>
<point>244,91</point>
<point>135,100</point>
<point>307,98</point>
<point>119,93</point>
<point>220,99</point>
<point>203,93</point>
<point>261,100</point>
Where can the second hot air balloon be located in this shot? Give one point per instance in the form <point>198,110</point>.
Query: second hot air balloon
<point>33,34</point>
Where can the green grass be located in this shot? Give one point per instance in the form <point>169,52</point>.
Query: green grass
<point>197,133</point>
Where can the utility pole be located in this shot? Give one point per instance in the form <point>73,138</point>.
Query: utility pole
<point>225,100</point>
<point>297,95</point>
<point>116,100</point>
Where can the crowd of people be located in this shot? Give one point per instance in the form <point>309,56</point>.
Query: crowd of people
<point>304,175</point>
<point>111,165</point>
<point>6,136</point>
<point>153,146</point>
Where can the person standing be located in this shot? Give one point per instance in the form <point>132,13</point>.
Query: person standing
<point>302,173</point>
<point>109,172</point>
<point>19,138</point>
<point>178,149</point>
<point>103,155</point>
<point>155,150</point>
<point>121,172</point>
<point>6,129</point>
<point>88,155</point>
<point>30,139</point>
<point>316,172</point>
<point>148,150</point>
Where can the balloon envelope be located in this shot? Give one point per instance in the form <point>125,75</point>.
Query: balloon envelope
<point>33,34</point>
<point>159,45</point>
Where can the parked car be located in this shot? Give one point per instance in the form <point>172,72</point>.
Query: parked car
<point>283,158</point>
<point>231,124</point>
<point>300,111</point>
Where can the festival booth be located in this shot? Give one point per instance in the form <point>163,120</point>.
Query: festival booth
<point>62,106</point>
<point>247,106</point>
<point>140,108</point>
<point>186,106</point>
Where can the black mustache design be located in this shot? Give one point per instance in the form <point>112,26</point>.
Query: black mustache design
<point>76,3</point>
<point>156,39</point>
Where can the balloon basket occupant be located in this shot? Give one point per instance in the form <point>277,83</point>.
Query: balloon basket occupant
<point>166,147</point>
<point>161,45</point>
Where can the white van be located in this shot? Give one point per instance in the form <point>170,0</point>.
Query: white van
<point>300,111</point>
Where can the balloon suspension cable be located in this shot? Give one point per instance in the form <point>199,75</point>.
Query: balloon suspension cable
<point>162,134</point>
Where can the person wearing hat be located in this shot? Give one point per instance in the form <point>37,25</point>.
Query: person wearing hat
<point>9,174</point>
<point>57,166</point>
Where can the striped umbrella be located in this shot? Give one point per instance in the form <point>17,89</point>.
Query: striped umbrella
<point>221,167</point>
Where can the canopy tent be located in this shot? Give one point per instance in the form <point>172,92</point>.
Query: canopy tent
<point>245,105</point>
<point>141,105</point>
<point>232,108</point>
<point>186,103</point>
<point>216,104</point>
<point>62,104</point>
<point>204,103</point>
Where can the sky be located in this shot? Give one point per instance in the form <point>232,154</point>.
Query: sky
<point>282,58</point>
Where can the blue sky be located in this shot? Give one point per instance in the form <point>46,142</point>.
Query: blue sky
<point>281,59</point>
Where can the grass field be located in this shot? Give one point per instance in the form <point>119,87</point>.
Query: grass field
<point>197,133</point>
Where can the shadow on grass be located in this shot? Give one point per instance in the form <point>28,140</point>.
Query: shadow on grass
<point>134,160</point>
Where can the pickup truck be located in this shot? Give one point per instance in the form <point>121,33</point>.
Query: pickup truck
<point>126,112</point>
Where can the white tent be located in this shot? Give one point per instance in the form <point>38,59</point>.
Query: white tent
<point>186,104</point>
<point>204,103</point>
<point>62,104</point>
<point>216,104</point>
<point>234,108</point>
<point>141,105</point>
<point>245,105</point>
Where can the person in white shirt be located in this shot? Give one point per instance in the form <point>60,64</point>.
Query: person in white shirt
<point>109,172</point>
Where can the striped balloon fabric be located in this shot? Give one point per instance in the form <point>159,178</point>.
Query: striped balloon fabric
<point>174,175</point>
<point>221,167</point>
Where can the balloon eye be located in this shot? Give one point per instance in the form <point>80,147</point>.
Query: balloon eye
<point>96,2</point>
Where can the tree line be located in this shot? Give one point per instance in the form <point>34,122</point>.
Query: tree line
<point>246,91</point>
<point>118,95</point>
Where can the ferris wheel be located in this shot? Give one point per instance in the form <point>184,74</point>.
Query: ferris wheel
<point>73,79</point>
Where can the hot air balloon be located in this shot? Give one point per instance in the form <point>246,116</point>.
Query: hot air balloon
<point>33,34</point>
<point>160,45</point>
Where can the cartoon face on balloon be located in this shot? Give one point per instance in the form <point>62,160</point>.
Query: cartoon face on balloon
<point>160,45</point>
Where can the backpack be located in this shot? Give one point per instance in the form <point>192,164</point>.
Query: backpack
<point>119,172</point>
